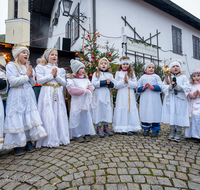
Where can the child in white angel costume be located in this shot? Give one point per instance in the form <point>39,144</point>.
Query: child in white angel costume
<point>51,102</point>
<point>175,105</point>
<point>22,122</point>
<point>150,85</point>
<point>126,118</point>
<point>102,80</point>
<point>193,131</point>
<point>82,103</point>
<point>3,90</point>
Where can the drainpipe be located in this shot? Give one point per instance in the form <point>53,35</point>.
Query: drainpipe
<point>94,17</point>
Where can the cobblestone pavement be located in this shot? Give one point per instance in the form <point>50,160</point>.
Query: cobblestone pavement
<point>119,162</point>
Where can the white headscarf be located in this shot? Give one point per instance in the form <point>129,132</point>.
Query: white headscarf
<point>174,62</point>
<point>17,49</point>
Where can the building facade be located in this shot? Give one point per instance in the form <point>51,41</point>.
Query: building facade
<point>18,22</point>
<point>170,31</point>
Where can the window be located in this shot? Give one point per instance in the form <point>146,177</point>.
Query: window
<point>72,26</point>
<point>177,40</point>
<point>15,8</point>
<point>57,45</point>
<point>196,49</point>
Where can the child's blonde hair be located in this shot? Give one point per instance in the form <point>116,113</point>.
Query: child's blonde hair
<point>20,64</point>
<point>44,61</point>
<point>168,78</point>
<point>130,70</point>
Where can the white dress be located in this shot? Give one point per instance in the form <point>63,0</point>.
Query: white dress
<point>22,122</point>
<point>104,111</point>
<point>52,108</point>
<point>175,107</point>
<point>126,113</point>
<point>82,102</point>
<point>194,111</point>
<point>150,101</point>
<point>3,91</point>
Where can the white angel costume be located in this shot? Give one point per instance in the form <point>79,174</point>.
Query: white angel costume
<point>126,113</point>
<point>51,105</point>
<point>3,91</point>
<point>104,111</point>
<point>175,107</point>
<point>150,100</point>
<point>82,103</point>
<point>194,113</point>
<point>22,122</point>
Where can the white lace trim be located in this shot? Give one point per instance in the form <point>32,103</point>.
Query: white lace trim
<point>22,144</point>
<point>22,129</point>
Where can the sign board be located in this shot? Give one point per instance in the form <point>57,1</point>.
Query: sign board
<point>141,48</point>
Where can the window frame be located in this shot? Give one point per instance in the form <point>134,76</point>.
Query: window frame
<point>177,40</point>
<point>72,26</point>
<point>196,47</point>
<point>15,8</point>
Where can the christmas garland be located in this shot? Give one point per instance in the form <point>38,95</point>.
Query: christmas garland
<point>142,42</point>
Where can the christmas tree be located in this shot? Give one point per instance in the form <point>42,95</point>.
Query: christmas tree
<point>90,54</point>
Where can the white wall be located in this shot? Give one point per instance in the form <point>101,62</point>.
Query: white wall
<point>144,17</point>
<point>85,7</point>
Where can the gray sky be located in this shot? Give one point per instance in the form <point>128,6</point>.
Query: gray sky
<point>191,6</point>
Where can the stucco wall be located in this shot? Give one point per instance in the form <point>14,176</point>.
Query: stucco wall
<point>144,17</point>
<point>17,31</point>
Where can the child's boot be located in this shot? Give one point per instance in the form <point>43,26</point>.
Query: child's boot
<point>99,132</point>
<point>172,132</point>
<point>146,132</point>
<point>80,139</point>
<point>18,151</point>
<point>129,133</point>
<point>87,138</point>
<point>146,127</point>
<point>154,134</point>
<point>30,147</point>
<point>194,140</point>
<point>177,137</point>
<point>107,130</point>
<point>155,128</point>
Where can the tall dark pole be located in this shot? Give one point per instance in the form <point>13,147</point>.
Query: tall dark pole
<point>94,17</point>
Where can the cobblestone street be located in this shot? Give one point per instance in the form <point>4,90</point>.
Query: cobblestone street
<point>119,162</point>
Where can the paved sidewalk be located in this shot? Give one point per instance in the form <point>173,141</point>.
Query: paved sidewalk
<point>119,162</point>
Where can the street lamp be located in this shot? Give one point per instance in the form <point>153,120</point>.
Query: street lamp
<point>67,4</point>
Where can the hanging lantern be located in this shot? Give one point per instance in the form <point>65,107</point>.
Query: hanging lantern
<point>109,54</point>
